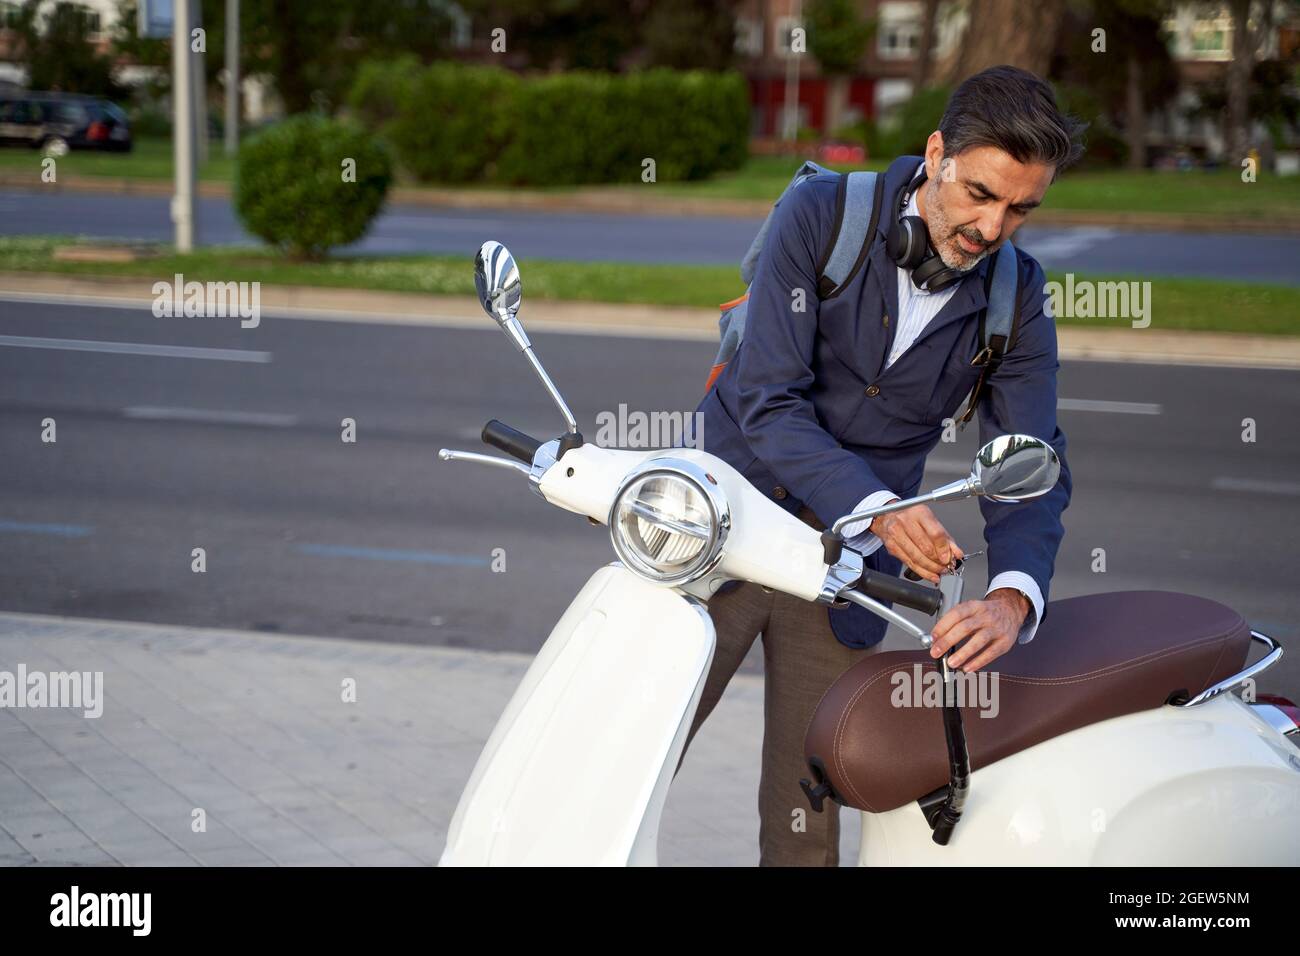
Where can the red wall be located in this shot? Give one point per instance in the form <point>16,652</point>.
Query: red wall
<point>767,94</point>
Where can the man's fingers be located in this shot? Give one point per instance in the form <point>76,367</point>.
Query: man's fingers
<point>992,652</point>
<point>924,545</point>
<point>902,548</point>
<point>975,642</point>
<point>955,626</point>
<point>939,539</point>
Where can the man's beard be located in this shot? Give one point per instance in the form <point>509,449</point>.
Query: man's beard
<point>943,236</point>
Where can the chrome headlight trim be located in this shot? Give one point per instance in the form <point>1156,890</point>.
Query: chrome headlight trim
<point>720,512</point>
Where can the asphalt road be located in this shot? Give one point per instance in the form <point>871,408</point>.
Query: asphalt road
<point>238,452</point>
<point>604,238</point>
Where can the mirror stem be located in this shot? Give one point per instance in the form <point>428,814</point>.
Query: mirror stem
<point>569,420</point>
<point>954,490</point>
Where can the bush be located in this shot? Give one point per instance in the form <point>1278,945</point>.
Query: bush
<point>918,118</point>
<point>455,124</point>
<point>290,186</point>
<point>447,123</point>
<point>1105,146</point>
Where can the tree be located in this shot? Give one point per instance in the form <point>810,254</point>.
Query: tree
<point>1116,50</point>
<point>1271,100</point>
<point>925,44</point>
<point>1246,42</point>
<point>837,37</point>
<point>567,34</point>
<point>691,34</point>
<point>1014,32</point>
<point>57,50</point>
<point>307,49</point>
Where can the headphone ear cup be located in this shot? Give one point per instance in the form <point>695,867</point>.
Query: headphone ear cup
<point>907,242</point>
<point>934,276</point>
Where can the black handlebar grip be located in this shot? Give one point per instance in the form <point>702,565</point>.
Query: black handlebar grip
<point>886,587</point>
<point>511,441</point>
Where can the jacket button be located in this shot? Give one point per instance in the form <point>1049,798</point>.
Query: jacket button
<point>779,493</point>
<point>873,391</point>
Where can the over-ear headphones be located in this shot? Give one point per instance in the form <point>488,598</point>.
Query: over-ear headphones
<point>908,244</point>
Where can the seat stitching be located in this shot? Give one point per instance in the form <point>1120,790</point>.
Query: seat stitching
<point>844,715</point>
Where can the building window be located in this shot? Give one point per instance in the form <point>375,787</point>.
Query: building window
<point>1200,32</point>
<point>749,36</point>
<point>1209,39</point>
<point>899,33</point>
<point>898,41</point>
<point>10,15</point>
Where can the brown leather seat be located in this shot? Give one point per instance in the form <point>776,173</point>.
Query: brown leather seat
<point>1093,658</point>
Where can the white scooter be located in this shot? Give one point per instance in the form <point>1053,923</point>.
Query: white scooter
<point>1116,741</point>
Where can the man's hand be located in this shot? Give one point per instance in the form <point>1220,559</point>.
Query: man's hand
<point>992,626</point>
<point>916,538</point>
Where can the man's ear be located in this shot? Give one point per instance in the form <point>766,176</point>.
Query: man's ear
<point>933,155</point>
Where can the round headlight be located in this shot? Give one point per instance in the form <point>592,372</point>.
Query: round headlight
<point>665,525</point>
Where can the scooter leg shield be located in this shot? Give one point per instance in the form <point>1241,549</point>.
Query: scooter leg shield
<point>577,768</point>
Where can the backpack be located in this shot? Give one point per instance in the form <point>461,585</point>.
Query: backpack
<point>858,202</point>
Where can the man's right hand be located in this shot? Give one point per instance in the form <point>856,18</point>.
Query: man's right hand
<point>915,536</point>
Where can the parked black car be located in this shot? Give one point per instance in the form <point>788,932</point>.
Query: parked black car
<point>57,122</point>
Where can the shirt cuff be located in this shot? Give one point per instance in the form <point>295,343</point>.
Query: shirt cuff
<point>1019,581</point>
<point>856,534</point>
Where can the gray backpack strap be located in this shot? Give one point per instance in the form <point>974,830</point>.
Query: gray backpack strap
<point>1003,310</point>
<point>999,322</point>
<point>750,262</point>
<point>857,211</point>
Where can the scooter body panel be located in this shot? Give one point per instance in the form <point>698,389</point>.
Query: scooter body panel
<point>1208,785</point>
<point>577,769</point>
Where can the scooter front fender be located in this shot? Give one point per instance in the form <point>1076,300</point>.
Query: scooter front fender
<point>577,768</point>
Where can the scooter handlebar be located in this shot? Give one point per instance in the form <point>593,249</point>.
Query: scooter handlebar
<point>886,587</point>
<point>511,441</point>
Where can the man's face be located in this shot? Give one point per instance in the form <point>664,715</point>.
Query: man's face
<point>974,201</point>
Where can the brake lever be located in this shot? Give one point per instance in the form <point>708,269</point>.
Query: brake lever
<point>450,454</point>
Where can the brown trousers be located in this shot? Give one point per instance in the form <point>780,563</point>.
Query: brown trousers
<point>801,659</point>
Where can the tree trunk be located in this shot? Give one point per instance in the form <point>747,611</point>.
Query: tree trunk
<point>1237,132</point>
<point>291,80</point>
<point>1135,113</point>
<point>925,46</point>
<point>1011,32</point>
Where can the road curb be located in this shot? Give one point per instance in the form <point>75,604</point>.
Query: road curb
<point>1150,346</point>
<point>608,202</point>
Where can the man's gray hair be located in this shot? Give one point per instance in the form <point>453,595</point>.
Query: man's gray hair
<point>1015,111</point>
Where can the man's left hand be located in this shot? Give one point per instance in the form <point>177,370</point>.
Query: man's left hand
<point>992,626</point>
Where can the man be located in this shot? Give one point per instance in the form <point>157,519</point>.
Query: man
<point>831,407</point>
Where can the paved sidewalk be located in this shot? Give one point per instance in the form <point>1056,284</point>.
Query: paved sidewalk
<point>1151,345</point>
<point>252,729</point>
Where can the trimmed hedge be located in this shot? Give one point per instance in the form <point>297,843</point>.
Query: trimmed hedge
<point>290,188</point>
<point>457,124</point>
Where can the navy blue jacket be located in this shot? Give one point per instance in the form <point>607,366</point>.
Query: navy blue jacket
<point>808,413</point>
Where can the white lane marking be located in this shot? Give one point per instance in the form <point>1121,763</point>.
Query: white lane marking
<point>209,415</point>
<point>1062,244</point>
<point>1224,483</point>
<point>136,348</point>
<point>1098,405</point>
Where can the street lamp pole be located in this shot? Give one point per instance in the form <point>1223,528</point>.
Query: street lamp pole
<point>232,77</point>
<point>183,213</point>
